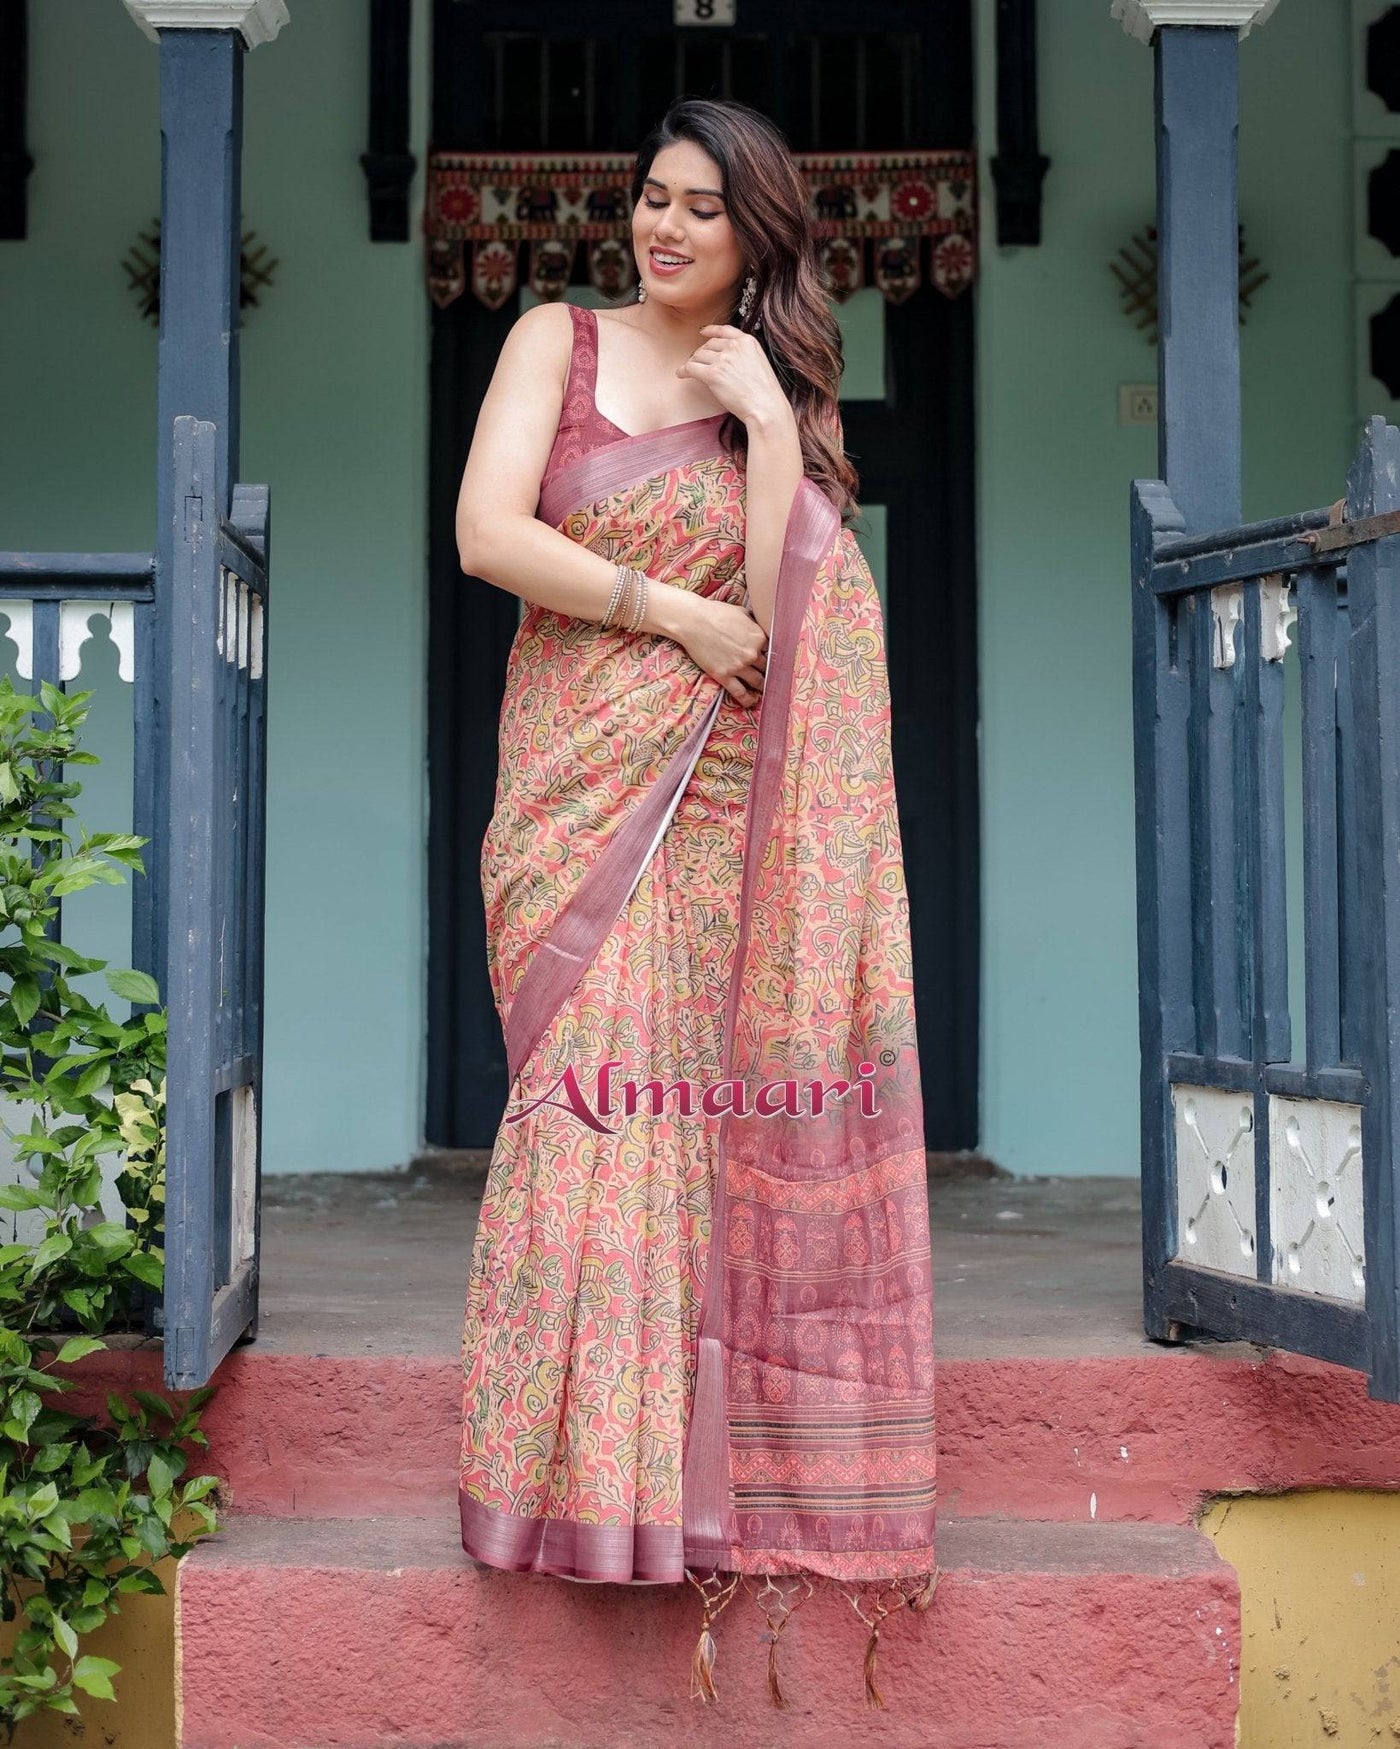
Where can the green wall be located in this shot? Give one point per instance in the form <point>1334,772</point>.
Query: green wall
<point>1060,1025</point>
<point>335,417</point>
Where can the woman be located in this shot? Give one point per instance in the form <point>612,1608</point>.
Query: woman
<point>698,1334</point>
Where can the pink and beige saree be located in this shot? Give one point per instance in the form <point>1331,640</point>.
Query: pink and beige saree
<point>699,1325</point>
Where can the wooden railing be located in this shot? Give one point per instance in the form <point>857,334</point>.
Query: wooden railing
<point>1269,1185</point>
<point>191,619</point>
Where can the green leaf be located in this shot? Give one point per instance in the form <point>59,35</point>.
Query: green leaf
<point>22,1196</point>
<point>42,1501</point>
<point>77,1346</point>
<point>159,1474</point>
<point>110,1238</point>
<point>93,1676</point>
<point>135,986</point>
<point>55,1246</point>
<point>142,1579</point>
<point>91,1079</point>
<point>64,1635</point>
<point>145,1267</point>
<point>24,997</point>
<point>24,1406</point>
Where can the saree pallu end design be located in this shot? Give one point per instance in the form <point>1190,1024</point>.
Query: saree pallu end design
<point>807,1456</point>
<point>811,1446</point>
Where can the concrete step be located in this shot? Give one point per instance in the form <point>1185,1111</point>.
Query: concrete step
<point>333,1633</point>
<point>1142,1438</point>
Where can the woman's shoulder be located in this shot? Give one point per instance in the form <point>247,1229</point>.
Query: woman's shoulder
<point>543,334</point>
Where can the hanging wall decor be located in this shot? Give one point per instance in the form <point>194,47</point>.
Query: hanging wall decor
<point>143,271</point>
<point>881,218</point>
<point>1135,269</point>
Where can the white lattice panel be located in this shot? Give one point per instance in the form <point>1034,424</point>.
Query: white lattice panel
<point>1317,1223</point>
<point>1214,1178</point>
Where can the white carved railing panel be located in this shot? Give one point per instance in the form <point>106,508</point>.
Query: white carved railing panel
<point>74,630</point>
<point>1214,1178</point>
<point>1316,1218</point>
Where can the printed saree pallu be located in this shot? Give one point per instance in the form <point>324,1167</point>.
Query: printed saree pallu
<point>699,1342</point>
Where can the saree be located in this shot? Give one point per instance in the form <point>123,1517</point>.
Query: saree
<point>698,1342</point>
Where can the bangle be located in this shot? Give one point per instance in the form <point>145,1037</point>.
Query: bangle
<point>619,584</point>
<point>643,591</point>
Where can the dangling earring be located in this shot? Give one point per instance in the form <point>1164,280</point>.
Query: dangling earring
<point>641,294</point>
<point>746,301</point>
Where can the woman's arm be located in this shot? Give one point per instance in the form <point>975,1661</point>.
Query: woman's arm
<point>774,474</point>
<point>740,375</point>
<point>500,539</point>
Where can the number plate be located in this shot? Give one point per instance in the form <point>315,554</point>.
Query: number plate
<point>704,11</point>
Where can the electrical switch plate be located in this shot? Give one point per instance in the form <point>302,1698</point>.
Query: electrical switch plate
<point>1137,403</point>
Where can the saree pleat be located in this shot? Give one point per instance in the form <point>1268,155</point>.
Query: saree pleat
<point>701,1339</point>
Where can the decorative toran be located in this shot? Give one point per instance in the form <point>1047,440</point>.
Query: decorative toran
<point>869,211</point>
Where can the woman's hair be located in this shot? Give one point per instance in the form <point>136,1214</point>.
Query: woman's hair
<point>767,202</point>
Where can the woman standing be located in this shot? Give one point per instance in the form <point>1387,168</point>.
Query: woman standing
<point>698,1340</point>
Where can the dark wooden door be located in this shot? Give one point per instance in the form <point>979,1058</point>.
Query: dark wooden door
<point>546,75</point>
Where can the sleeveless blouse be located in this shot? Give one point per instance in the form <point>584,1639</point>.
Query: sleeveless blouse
<point>581,426</point>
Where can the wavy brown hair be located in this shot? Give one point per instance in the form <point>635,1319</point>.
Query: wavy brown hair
<point>766,198</point>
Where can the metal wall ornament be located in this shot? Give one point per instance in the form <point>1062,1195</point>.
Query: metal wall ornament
<point>1135,269</point>
<point>880,218</point>
<point>143,271</point>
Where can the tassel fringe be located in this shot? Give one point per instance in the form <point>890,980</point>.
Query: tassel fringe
<point>779,1606</point>
<point>874,1602</point>
<point>715,1594</point>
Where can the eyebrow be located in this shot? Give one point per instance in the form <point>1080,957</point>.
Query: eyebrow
<point>656,182</point>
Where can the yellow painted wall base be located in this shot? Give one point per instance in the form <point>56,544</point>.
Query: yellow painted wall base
<point>1319,1577</point>
<point>142,1640</point>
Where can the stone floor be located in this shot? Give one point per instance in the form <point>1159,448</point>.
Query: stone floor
<point>376,1263</point>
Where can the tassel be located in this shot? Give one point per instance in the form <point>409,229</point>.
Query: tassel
<point>873,1697</point>
<point>715,1594</point>
<point>880,1609</point>
<point>778,1608</point>
<point>702,1682</point>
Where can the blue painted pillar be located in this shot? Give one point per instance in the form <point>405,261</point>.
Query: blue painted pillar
<point>201,129</point>
<point>1198,355</point>
<point>201,138</point>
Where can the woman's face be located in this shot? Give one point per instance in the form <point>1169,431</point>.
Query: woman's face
<point>682,214</point>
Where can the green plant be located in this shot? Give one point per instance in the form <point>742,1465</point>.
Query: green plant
<point>84,1508</point>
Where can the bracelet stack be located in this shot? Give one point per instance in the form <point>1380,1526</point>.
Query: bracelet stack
<point>630,592</point>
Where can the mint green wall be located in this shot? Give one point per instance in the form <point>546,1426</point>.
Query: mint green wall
<point>335,417</point>
<point>1059,931</point>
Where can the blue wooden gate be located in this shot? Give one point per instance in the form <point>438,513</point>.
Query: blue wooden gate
<point>1270,1201</point>
<point>214,978</point>
<point>195,609</point>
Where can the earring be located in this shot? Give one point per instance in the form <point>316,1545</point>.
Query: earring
<point>746,301</point>
<point>641,294</point>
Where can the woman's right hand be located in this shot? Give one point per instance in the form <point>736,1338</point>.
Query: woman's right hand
<point>728,643</point>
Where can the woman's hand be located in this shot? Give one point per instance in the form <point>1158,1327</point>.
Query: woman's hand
<point>738,373</point>
<point>728,643</point>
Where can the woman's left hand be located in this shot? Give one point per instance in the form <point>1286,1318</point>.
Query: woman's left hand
<point>737,372</point>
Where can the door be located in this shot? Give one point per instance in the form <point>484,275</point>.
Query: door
<point>543,76</point>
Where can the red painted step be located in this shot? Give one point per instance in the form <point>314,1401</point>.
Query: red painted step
<point>1143,1437</point>
<point>305,1634</point>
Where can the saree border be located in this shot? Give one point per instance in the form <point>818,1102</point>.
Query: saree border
<point>812,526</point>
<point>579,931</point>
<point>603,1553</point>
<point>612,466</point>
<point>572,944</point>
